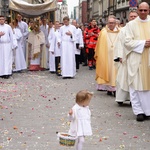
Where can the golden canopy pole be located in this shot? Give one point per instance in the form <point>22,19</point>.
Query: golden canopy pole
<point>11,16</point>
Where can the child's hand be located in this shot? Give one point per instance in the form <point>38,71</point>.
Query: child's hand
<point>70,112</point>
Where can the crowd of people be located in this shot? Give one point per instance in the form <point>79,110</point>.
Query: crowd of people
<point>119,55</point>
<point>123,60</point>
<point>46,45</point>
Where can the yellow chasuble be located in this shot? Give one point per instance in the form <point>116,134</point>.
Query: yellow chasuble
<point>104,56</point>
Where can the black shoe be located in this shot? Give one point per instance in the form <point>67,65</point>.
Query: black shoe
<point>52,72</point>
<point>109,93</point>
<point>58,74</point>
<point>114,93</point>
<point>6,76</point>
<point>94,67</point>
<point>140,117</point>
<point>19,71</point>
<point>120,103</point>
<point>2,76</point>
<point>90,68</point>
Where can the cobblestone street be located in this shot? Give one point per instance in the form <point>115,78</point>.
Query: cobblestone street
<point>34,106</point>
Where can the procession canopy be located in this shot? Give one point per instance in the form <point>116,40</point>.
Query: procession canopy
<point>32,10</point>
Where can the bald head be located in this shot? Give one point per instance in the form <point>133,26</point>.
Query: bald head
<point>143,10</point>
<point>144,4</point>
<point>74,22</point>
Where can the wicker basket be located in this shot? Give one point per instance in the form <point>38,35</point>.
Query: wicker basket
<point>65,139</point>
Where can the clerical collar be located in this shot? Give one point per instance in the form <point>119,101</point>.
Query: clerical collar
<point>114,31</point>
<point>147,19</point>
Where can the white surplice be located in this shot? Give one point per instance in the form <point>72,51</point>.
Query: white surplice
<point>122,90</point>
<point>51,37</point>
<point>57,49</point>
<point>20,63</point>
<point>68,66</point>
<point>23,26</point>
<point>79,40</point>
<point>6,44</point>
<point>45,52</point>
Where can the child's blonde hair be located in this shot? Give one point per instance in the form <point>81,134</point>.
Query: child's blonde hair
<point>83,96</point>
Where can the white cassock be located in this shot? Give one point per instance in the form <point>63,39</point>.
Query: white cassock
<point>20,63</point>
<point>6,45</point>
<point>138,64</point>
<point>51,37</point>
<point>122,90</point>
<point>57,49</point>
<point>23,26</point>
<point>79,40</point>
<point>44,29</point>
<point>68,67</point>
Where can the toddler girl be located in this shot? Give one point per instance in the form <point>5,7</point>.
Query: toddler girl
<point>80,117</point>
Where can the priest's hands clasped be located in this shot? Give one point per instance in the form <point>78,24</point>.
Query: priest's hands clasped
<point>147,43</point>
<point>2,33</point>
<point>69,33</point>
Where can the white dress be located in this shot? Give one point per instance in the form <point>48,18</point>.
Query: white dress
<point>80,121</point>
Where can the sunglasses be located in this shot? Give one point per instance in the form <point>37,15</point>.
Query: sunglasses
<point>141,10</point>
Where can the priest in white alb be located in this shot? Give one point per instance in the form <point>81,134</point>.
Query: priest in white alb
<point>67,35</point>
<point>23,26</point>
<point>6,43</point>
<point>137,42</point>
<point>19,59</point>
<point>122,88</point>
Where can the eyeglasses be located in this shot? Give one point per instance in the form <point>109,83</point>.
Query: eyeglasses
<point>141,10</point>
<point>111,22</point>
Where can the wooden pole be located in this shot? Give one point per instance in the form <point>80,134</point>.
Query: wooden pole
<point>11,15</point>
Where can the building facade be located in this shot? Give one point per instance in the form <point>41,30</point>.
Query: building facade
<point>101,9</point>
<point>64,10</point>
<point>76,13</point>
<point>4,7</point>
<point>83,11</point>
